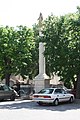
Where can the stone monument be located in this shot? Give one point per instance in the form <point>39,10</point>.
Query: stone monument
<point>42,80</point>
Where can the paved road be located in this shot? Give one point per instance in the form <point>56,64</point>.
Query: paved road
<point>28,110</point>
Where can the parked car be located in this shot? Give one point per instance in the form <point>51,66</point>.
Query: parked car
<point>7,92</point>
<point>25,91</point>
<point>73,91</point>
<point>53,96</point>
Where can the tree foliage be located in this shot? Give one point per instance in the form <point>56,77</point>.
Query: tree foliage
<point>16,48</point>
<point>62,37</point>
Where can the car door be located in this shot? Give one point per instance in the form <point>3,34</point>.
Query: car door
<point>65,95</point>
<point>1,92</point>
<point>60,94</point>
<point>7,92</point>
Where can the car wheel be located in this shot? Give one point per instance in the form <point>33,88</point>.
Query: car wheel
<point>40,103</point>
<point>71,100</point>
<point>56,102</point>
<point>12,98</point>
<point>1,100</point>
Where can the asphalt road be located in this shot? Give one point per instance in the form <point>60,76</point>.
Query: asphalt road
<point>28,110</point>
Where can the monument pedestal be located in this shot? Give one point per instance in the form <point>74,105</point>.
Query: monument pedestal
<point>41,81</point>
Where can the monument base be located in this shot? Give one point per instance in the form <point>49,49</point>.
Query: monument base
<point>41,81</point>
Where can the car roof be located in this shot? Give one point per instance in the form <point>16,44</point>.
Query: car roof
<point>2,84</point>
<point>54,88</point>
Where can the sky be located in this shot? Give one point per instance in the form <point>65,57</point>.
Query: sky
<point>26,12</point>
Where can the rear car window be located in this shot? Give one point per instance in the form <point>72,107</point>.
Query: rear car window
<point>46,91</point>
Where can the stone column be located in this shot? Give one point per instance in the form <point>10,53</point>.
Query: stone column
<point>41,58</point>
<point>42,80</point>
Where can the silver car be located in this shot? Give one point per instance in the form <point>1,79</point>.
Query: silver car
<point>7,92</point>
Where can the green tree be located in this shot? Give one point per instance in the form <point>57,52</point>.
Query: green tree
<point>16,46</point>
<point>62,37</point>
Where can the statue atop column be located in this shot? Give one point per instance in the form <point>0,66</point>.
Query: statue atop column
<point>40,19</point>
<point>40,23</point>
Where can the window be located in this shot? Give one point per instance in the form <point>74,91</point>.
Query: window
<point>63,91</point>
<point>58,91</point>
<point>6,88</point>
<point>46,91</point>
<point>1,88</point>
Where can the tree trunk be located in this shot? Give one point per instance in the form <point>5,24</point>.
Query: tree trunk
<point>78,87</point>
<point>7,70</point>
<point>7,78</point>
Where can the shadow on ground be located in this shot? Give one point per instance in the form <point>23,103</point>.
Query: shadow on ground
<point>28,104</point>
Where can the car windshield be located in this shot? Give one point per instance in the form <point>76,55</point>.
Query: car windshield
<point>6,88</point>
<point>46,91</point>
